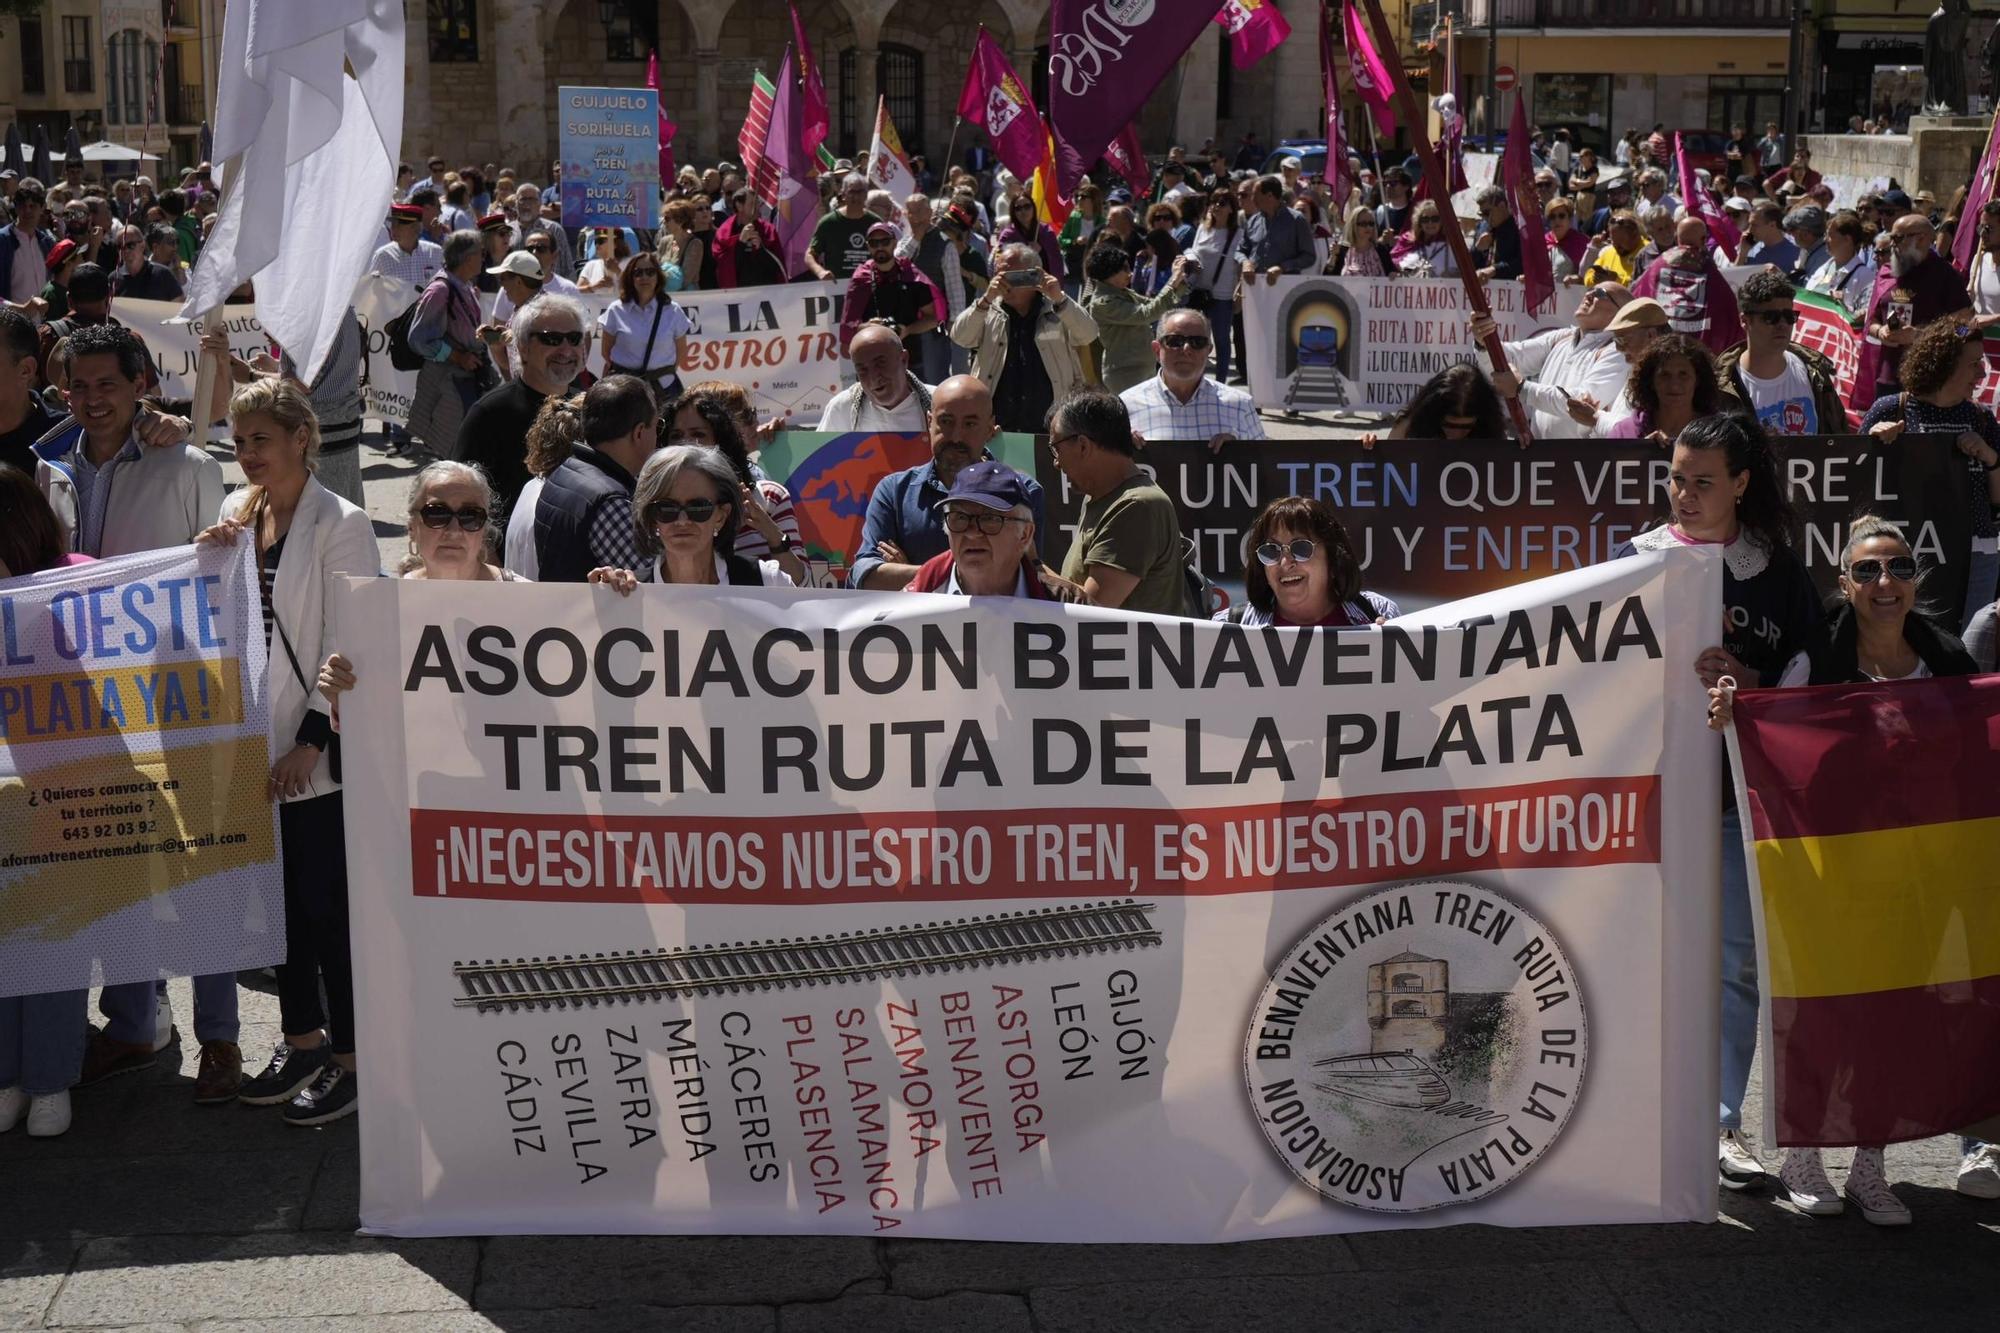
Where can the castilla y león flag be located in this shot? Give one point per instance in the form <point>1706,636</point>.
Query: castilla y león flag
<point>1872,823</point>
<point>995,100</point>
<point>1256,29</point>
<point>1105,59</point>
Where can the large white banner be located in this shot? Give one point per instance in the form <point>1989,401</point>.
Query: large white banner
<point>1320,344</point>
<point>136,839</point>
<point>746,911</point>
<point>781,343</point>
<point>176,345</point>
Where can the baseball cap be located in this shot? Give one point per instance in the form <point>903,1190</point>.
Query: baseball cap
<point>958,215</point>
<point>1897,199</point>
<point>881,229</point>
<point>519,263</point>
<point>992,484</point>
<point>1617,180</point>
<point>1291,162</point>
<point>1119,196</point>
<point>1735,204</point>
<point>1641,312</point>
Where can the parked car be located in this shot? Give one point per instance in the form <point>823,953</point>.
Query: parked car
<point>1708,150</point>
<point>1311,154</point>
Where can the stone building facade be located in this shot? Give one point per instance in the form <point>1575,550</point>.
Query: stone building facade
<point>482,74</point>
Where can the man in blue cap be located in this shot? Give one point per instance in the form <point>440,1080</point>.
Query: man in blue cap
<point>989,519</point>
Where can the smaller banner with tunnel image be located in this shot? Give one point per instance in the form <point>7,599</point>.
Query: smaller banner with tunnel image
<point>1366,345</point>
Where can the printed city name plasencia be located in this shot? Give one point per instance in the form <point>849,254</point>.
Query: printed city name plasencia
<point>1033,660</point>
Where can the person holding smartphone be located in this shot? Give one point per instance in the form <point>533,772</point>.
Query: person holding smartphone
<point>1024,333</point>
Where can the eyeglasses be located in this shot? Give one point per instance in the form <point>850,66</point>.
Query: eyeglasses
<point>638,273</point>
<point>662,512</point>
<point>553,338</point>
<point>988,522</point>
<point>1774,317</point>
<point>1902,568</point>
<point>436,516</point>
<point>1300,549</point>
<point>1056,442</point>
<point>1184,341</point>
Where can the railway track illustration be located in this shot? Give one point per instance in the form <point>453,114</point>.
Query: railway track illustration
<point>589,980</point>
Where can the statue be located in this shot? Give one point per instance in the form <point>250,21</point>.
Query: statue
<point>1991,55</point>
<point>1944,59</point>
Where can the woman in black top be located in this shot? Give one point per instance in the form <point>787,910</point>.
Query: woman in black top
<point>1725,492</point>
<point>1873,634</point>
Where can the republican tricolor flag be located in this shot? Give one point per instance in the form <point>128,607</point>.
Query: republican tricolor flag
<point>1872,824</point>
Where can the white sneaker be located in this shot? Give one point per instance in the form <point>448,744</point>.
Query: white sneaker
<point>48,1115</point>
<point>1978,1174</point>
<point>1806,1186</point>
<point>13,1104</point>
<point>1737,1165</point>
<point>1868,1188</point>
<point>163,1025</point>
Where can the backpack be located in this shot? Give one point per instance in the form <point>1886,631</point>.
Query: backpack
<point>397,331</point>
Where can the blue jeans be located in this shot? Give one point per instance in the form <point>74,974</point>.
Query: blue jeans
<point>41,1040</point>
<point>1982,573</point>
<point>1739,972</point>
<point>1221,315</point>
<point>129,1009</point>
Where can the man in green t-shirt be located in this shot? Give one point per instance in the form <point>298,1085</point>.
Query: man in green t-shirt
<point>840,241</point>
<point>1127,551</point>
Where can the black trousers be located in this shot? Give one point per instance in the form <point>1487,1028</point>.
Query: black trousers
<point>314,839</point>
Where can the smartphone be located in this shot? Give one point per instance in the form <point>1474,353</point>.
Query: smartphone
<point>1024,277</point>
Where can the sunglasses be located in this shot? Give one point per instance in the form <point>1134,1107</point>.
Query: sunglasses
<point>638,273</point>
<point>552,338</point>
<point>1300,549</point>
<point>1774,317</point>
<point>130,245</point>
<point>662,512</point>
<point>1902,568</point>
<point>988,522</point>
<point>542,249</point>
<point>438,516</point>
<point>1184,341</point>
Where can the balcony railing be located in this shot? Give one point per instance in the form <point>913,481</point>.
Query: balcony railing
<point>1557,14</point>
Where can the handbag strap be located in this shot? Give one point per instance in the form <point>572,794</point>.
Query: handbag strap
<point>1227,246</point>
<point>659,308</point>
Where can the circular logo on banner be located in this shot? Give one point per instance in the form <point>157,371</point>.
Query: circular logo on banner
<point>1129,13</point>
<point>1419,1048</point>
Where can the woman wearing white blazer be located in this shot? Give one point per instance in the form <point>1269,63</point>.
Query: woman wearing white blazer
<point>306,536</point>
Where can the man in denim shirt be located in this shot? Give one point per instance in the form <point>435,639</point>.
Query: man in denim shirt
<point>1275,239</point>
<point>905,527</point>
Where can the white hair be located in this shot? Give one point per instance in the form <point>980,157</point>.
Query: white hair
<point>545,303</point>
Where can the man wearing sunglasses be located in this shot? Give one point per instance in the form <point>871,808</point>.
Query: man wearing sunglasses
<point>989,519</point>
<point>1566,378</point>
<point>137,277</point>
<point>547,334</point>
<point>1182,402</point>
<point>1790,389</point>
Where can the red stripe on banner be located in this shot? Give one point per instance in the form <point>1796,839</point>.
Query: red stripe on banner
<point>942,856</point>
<point>1888,1066</point>
<point>1929,750</point>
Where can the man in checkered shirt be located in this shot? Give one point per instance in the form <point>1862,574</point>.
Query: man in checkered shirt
<point>1183,402</point>
<point>408,257</point>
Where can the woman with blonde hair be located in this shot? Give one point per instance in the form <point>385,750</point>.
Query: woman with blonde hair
<point>305,536</point>
<point>1362,253</point>
<point>1422,251</point>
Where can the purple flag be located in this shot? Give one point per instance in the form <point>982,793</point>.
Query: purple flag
<point>667,127</point>
<point>1965,241</point>
<point>1517,177</point>
<point>1105,59</point>
<point>1701,203</point>
<point>785,149</point>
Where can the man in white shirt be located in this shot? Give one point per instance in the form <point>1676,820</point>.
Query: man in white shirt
<point>1173,183</point>
<point>1653,190</point>
<point>408,257</point>
<point>885,396</point>
<point>1182,402</point>
<point>1566,378</point>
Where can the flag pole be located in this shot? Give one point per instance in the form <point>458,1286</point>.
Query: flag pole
<point>951,146</point>
<point>1434,172</point>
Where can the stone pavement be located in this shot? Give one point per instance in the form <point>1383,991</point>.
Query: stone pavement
<point>155,1214</point>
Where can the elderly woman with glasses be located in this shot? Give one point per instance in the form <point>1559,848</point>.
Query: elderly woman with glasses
<point>1300,569</point>
<point>685,509</point>
<point>644,331</point>
<point>1940,371</point>
<point>1874,633</point>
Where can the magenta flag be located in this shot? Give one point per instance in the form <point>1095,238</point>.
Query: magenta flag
<point>995,99</point>
<point>1371,76</point>
<point>1517,175</point>
<point>1702,204</point>
<point>785,149</point>
<point>818,121</point>
<point>1256,29</point>
<point>667,127</point>
<point>1337,180</point>
<point>1105,59</point>
<point>1965,241</point>
<point>1128,156</point>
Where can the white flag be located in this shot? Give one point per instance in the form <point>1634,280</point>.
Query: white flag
<point>308,161</point>
<point>888,168</point>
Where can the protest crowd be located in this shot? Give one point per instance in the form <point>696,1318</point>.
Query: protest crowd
<point>974,309</point>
